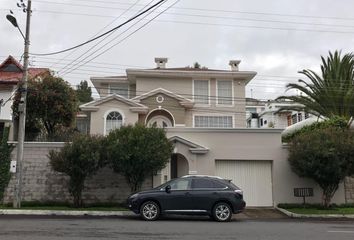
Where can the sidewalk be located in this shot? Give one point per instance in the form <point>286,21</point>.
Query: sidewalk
<point>250,213</point>
<point>64,213</point>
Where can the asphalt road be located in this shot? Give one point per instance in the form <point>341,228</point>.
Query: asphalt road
<point>55,228</point>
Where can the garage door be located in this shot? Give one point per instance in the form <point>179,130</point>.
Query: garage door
<point>253,177</point>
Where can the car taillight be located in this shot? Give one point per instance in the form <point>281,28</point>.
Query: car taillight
<point>239,191</point>
<point>239,194</point>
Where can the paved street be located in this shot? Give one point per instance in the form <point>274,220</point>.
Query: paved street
<point>53,228</point>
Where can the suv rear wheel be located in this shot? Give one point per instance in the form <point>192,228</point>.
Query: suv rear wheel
<point>150,211</point>
<point>222,212</point>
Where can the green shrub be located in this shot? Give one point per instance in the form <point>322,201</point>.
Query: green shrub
<point>5,160</point>
<point>79,160</point>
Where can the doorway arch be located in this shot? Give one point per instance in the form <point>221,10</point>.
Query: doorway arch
<point>179,165</point>
<point>161,118</point>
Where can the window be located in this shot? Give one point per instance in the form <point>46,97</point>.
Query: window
<point>180,184</point>
<point>201,91</point>
<point>213,121</point>
<point>224,92</point>
<point>261,122</point>
<point>206,183</point>
<point>306,115</point>
<point>121,89</point>
<point>299,117</point>
<point>251,109</point>
<point>113,120</point>
<point>294,118</point>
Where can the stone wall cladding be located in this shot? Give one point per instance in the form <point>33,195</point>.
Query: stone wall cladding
<point>42,184</point>
<point>349,190</point>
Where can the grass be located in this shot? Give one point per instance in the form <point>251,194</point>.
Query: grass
<point>317,209</point>
<point>67,207</point>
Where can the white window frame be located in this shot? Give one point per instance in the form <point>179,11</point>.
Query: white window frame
<point>214,115</point>
<point>232,94</point>
<point>193,88</point>
<point>105,118</point>
<point>110,86</point>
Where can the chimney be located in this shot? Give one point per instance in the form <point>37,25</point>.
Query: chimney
<point>234,64</point>
<point>160,62</point>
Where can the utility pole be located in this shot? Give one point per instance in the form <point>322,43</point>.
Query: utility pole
<point>22,110</point>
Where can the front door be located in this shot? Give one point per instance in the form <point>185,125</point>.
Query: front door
<point>179,199</point>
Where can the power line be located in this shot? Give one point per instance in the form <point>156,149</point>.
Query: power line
<point>99,32</point>
<point>94,51</point>
<point>213,10</point>
<point>236,18</point>
<point>73,61</point>
<point>145,24</point>
<point>93,39</point>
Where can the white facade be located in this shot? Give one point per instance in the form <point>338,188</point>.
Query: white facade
<point>6,104</point>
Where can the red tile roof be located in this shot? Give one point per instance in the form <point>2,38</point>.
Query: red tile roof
<point>15,75</point>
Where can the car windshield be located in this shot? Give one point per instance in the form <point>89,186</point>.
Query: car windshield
<point>165,184</point>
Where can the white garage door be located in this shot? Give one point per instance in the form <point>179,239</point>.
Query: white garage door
<point>253,177</point>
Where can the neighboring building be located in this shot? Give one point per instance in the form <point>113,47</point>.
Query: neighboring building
<point>11,73</point>
<point>253,108</point>
<point>272,117</point>
<point>204,113</point>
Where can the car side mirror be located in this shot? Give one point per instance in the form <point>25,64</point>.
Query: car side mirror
<point>168,188</point>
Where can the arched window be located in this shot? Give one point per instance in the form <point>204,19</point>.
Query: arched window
<point>113,120</point>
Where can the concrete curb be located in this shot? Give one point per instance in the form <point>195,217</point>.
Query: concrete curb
<point>65,213</point>
<point>296,215</point>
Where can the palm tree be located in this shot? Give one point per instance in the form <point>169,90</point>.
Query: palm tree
<point>328,95</point>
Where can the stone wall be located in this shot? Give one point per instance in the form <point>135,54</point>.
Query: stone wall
<point>42,184</point>
<point>349,190</point>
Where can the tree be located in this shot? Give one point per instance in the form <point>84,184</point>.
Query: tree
<point>79,160</point>
<point>83,92</point>
<point>329,94</point>
<point>325,155</point>
<point>5,160</point>
<point>51,104</point>
<point>137,152</point>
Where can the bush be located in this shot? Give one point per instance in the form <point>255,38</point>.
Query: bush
<point>324,155</point>
<point>5,160</point>
<point>80,159</point>
<point>138,152</point>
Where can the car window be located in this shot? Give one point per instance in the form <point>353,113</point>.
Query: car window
<point>180,184</point>
<point>219,184</point>
<point>205,183</point>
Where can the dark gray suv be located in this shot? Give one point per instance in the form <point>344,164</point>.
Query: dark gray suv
<point>191,194</point>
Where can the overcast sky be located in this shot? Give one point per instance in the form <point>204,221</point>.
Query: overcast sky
<point>275,38</point>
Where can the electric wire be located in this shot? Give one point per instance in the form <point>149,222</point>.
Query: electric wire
<point>76,62</point>
<point>110,23</point>
<point>115,44</point>
<point>101,35</point>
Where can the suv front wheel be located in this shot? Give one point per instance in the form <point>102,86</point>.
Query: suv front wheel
<point>150,211</point>
<point>222,212</point>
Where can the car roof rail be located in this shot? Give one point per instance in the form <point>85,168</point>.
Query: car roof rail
<point>209,176</point>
